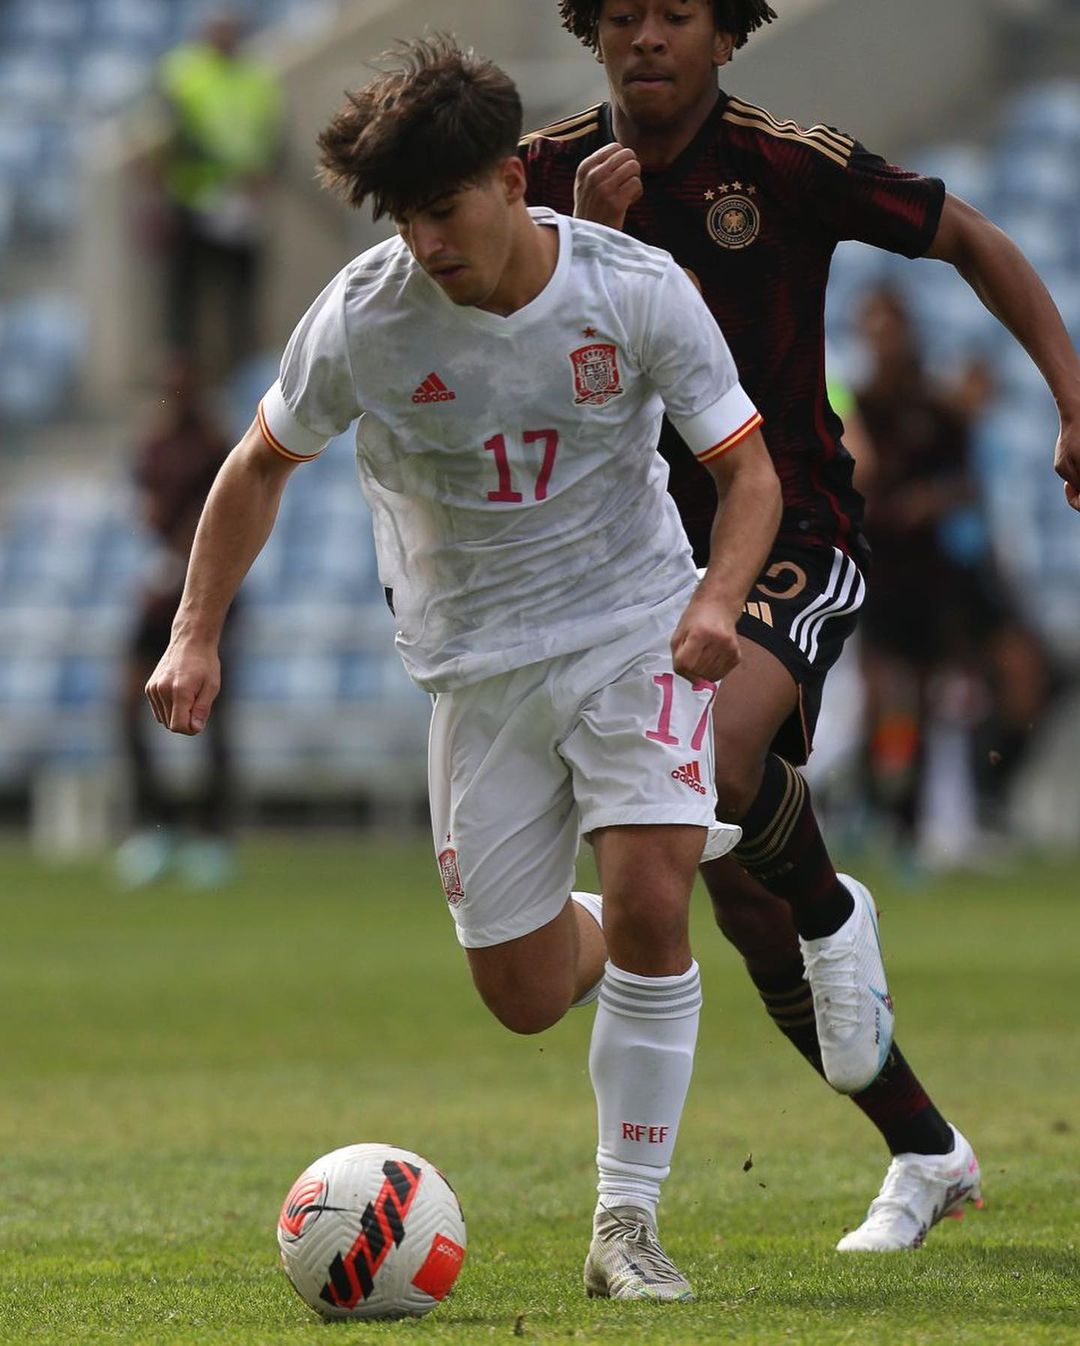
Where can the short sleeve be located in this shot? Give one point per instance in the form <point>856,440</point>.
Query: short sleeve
<point>689,363</point>
<point>314,397</point>
<point>858,195</point>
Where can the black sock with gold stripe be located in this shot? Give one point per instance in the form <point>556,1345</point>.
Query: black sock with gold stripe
<point>790,1005</point>
<point>783,849</point>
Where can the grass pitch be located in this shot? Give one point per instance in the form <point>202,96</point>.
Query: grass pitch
<point>171,1061</point>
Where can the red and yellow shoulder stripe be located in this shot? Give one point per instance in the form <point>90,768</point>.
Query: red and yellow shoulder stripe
<point>736,437</point>
<point>277,445</point>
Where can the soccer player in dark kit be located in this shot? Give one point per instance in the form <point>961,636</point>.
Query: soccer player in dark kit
<point>753,207</point>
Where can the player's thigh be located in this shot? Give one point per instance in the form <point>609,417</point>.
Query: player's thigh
<point>752,703</point>
<point>641,754</point>
<point>504,820</point>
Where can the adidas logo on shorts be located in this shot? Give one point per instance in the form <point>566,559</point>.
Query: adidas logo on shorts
<point>690,774</point>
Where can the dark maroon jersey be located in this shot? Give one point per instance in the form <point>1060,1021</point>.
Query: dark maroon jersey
<point>754,207</point>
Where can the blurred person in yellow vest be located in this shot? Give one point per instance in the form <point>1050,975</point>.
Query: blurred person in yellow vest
<point>224,118</point>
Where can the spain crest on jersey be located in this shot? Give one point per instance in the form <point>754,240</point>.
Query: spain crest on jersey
<point>596,373</point>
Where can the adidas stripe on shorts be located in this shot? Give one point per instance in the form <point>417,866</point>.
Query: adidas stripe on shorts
<point>802,608</point>
<point>522,764</point>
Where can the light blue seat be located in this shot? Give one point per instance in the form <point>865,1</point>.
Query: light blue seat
<point>109,78</point>
<point>56,23</point>
<point>965,169</point>
<point>20,144</point>
<point>48,194</point>
<point>7,229</point>
<point>1044,111</point>
<point>360,677</point>
<point>304,681</point>
<point>142,24</point>
<point>1040,175</point>
<point>86,681</point>
<point>41,345</point>
<point>33,79</point>
<point>28,682</point>
<point>953,323</point>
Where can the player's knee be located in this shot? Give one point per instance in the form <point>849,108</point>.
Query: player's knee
<point>526,1016</point>
<point>647,933</point>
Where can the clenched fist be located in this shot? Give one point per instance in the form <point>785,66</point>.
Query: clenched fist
<point>184,686</point>
<point>705,643</point>
<point>607,184</point>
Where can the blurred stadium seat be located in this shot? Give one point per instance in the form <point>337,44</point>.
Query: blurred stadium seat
<point>966,169</point>
<point>40,342</point>
<point>1042,113</point>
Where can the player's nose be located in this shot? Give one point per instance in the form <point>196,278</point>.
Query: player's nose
<point>426,240</point>
<point>649,39</point>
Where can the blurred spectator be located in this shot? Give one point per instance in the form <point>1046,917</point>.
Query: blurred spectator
<point>222,138</point>
<point>947,665</point>
<point>175,466</point>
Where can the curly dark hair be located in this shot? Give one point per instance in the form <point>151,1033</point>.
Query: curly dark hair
<point>740,17</point>
<point>440,119</point>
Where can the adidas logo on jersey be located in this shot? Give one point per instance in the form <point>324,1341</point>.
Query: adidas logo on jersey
<point>690,774</point>
<point>433,390</point>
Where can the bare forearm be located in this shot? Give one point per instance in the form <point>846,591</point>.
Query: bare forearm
<point>743,531</point>
<point>706,642</point>
<point>235,523</point>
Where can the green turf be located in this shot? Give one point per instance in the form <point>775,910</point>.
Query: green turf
<point>171,1061</point>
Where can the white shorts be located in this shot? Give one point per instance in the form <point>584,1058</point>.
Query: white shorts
<point>521,765</point>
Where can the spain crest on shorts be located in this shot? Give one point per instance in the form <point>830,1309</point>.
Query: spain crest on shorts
<point>596,373</point>
<point>451,876</point>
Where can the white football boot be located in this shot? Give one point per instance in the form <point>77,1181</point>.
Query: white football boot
<point>918,1191</point>
<point>852,1005</point>
<point>626,1260</point>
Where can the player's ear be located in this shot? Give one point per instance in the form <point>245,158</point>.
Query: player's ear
<point>723,47</point>
<point>512,174</point>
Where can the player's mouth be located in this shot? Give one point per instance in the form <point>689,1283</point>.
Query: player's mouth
<point>446,272</point>
<point>648,79</point>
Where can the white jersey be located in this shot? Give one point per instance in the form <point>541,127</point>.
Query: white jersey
<point>510,463</point>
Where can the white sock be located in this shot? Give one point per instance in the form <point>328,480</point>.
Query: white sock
<point>591,903</point>
<point>640,1060</point>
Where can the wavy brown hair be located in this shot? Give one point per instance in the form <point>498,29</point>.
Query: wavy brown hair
<point>740,17</point>
<point>436,121</point>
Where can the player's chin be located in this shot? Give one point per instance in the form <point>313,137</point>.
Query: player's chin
<point>649,103</point>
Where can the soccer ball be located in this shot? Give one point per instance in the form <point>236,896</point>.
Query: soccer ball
<point>371,1231</point>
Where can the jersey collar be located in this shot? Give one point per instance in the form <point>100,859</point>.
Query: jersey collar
<point>677,170</point>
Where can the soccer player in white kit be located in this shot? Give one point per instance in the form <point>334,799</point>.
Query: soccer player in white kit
<point>509,369</point>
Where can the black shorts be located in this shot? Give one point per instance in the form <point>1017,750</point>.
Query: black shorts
<point>802,608</point>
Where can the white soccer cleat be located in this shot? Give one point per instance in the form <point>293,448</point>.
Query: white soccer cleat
<point>626,1260</point>
<point>918,1191</point>
<point>852,1005</point>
